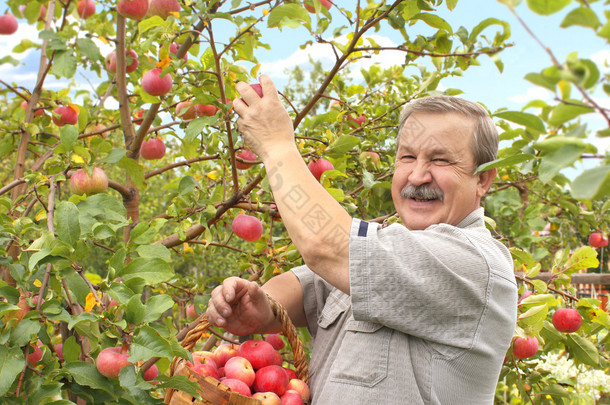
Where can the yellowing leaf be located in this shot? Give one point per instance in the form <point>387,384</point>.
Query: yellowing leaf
<point>90,302</point>
<point>103,39</point>
<point>77,159</point>
<point>187,249</point>
<point>213,175</point>
<point>37,283</point>
<point>75,108</point>
<point>175,14</point>
<point>42,214</point>
<point>164,62</point>
<point>265,11</point>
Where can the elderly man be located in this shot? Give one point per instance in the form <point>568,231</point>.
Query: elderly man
<point>415,314</point>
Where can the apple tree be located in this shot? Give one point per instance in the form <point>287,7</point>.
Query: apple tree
<point>109,263</point>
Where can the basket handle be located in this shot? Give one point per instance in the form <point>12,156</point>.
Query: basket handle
<point>288,329</point>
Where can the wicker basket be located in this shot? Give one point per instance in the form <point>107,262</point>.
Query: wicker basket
<point>211,390</point>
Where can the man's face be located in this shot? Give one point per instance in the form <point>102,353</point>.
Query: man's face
<point>433,178</point>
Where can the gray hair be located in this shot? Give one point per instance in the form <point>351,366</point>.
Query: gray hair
<point>485,139</point>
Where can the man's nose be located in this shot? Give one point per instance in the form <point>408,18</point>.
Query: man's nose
<point>420,173</point>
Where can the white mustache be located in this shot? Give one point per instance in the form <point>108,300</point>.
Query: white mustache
<point>423,192</point>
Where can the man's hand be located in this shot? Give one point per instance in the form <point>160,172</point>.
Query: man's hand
<point>263,122</point>
<point>240,307</point>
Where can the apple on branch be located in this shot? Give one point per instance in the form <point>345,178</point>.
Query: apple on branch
<point>85,8</point>
<point>152,149</point>
<point>37,112</point>
<point>524,348</point>
<point>317,167</point>
<point>310,7</point>
<point>134,9</point>
<point>8,24</point>
<point>111,361</point>
<point>248,228</point>
<point>567,320</point>
<point>598,240</point>
<point>156,84</point>
<point>131,60</point>
<point>163,8</point>
<point>66,115</point>
<point>83,183</point>
<point>245,154</point>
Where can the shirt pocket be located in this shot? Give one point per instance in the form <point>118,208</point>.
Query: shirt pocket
<point>364,354</point>
<point>336,304</point>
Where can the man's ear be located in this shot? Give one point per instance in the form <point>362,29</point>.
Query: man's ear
<point>485,179</point>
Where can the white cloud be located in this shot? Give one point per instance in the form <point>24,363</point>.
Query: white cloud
<point>532,93</point>
<point>323,52</point>
<point>24,32</point>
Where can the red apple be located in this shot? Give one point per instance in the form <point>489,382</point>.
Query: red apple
<point>86,8</point>
<point>271,379</point>
<point>59,350</point>
<point>37,112</point>
<point>275,340</point>
<point>206,110</point>
<point>524,296</point>
<point>111,360</point>
<point>245,154</point>
<point>567,320</point>
<point>369,157</point>
<point>35,353</point>
<point>65,115</point>
<point>186,110</point>
<point>291,373</point>
<point>291,397</point>
<point>319,166</point>
<point>134,9</point>
<point>267,398</point>
<point>155,84</point>
<point>206,370</point>
<point>137,117</point>
<point>152,149</point>
<point>191,313</point>
<point>525,347</point>
<point>238,386</point>
<point>81,183</point>
<point>248,228</point>
<point>309,7</point>
<point>173,49</point>
<point>131,61</point>
<point>204,357</point>
<point>258,352</point>
<point>223,353</point>
<point>240,369</point>
<point>163,8</point>
<point>354,122</point>
<point>151,373</point>
<point>598,240</point>
<point>300,387</point>
<point>8,24</point>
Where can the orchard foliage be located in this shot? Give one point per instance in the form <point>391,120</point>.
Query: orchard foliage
<point>119,268</point>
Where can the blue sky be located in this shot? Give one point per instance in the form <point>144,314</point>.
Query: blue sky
<point>484,83</point>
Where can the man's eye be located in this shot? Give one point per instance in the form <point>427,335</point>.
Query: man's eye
<point>408,157</point>
<point>441,161</point>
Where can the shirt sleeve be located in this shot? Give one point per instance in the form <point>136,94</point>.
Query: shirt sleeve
<point>315,293</point>
<point>431,284</point>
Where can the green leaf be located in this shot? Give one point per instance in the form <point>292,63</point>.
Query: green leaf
<point>555,143</point>
<point>542,80</point>
<point>149,23</point>
<point>64,64</point>
<point>566,112</point>
<point>196,126</point>
<point>527,120</point>
<point>83,317</point>
<point>534,315</point>
<point>504,162</point>
<point>86,374</point>
<point>11,365</point>
<point>180,383</point>
<point>68,135</point>
<point>592,183</point>
<point>187,184</point>
<point>156,306</point>
<point>25,331</point>
<point>159,251</point>
<point>342,145</point>
<point>134,310</point>
<point>134,169</point>
<point>288,15</point>
<point>114,156</point>
<point>151,270</point>
<point>147,343</point>
<point>146,232</point>
<point>585,257</point>
<point>71,349</point>
<point>486,23</point>
<point>66,222</point>
<point>433,21</point>
<point>547,7</point>
<point>582,16</point>
<point>552,163</point>
<point>584,350</point>
<point>88,48</point>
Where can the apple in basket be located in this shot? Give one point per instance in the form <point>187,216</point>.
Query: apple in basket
<point>223,353</point>
<point>267,398</point>
<point>238,368</point>
<point>259,353</point>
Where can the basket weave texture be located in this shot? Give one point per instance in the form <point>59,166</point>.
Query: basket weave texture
<point>211,390</point>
